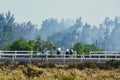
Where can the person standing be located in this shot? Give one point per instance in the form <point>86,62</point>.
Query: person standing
<point>67,51</point>
<point>58,51</point>
<point>71,51</point>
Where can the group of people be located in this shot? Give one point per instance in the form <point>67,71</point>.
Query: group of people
<point>68,51</point>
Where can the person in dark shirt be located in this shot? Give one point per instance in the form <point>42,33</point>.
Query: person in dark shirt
<point>71,51</point>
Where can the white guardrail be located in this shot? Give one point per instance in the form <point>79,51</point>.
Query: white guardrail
<point>33,56</point>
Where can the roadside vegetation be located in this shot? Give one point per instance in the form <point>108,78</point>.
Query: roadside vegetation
<point>81,48</point>
<point>30,45</point>
<point>42,46</point>
<point>60,71</point>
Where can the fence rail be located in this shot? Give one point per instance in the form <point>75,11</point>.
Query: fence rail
<point>31,56</point>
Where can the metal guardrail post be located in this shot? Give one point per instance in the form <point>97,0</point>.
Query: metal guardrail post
<point>15,53</point>
<point>105,56</point>
<point>63,57</point>
<point>31,52</point>
<point>30,56</point>
<point>115,55</point>
<point>0,54</point>
<point>98,58</point>
<point>12,57</point>
<point>75,55</point>
<point>81,58</point>
<point>90,55</point>
<point>46,57</point>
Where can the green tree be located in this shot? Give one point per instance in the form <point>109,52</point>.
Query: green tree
<point>39,44</point>
<point>42,45</point>
<point>93,47</point>
<point>78,47</point>
<point>20,45</point>
<point>49,46</point>
<point>85,48</point>
<point>6,28</point>
<point>32,45</point>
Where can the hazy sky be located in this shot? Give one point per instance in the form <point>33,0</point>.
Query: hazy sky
<point>92,11</point>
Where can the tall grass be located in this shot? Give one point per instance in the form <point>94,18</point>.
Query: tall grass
<point>60,71</point>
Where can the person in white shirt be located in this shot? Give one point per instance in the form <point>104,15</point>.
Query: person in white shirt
<point>67,51</point>
<point>58,50</point>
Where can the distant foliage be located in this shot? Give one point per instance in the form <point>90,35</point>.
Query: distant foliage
<point>67,37</point>
<point>52,26</point>
<point>6,28</point>
<point>105,36</point>
<point>64,33</point>
<point>25,30</point>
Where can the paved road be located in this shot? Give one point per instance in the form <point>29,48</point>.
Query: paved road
<point>57,59</point>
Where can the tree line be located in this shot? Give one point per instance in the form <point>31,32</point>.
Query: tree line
<point>64,33</point>
<point>30,45</point>
<point>42,46</point>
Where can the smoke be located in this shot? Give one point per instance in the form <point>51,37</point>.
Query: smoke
<point>51,26</point>
<point>64,33</point>
<point>106,34</point>
<point>26,31</point>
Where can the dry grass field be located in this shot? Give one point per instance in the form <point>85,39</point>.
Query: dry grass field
<point>17,71</point>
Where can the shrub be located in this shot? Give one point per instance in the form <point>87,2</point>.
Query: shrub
<point>118,63</point>
<point>67,77</point>
<point>87,65</point>
<point>32,71</point>
<point>64,77</point>
<point>81,66</point>
<point>102,65</point>
<point>47,65</point>
<point>72,65</point>
<point>90,65</point>
<point>113,63</point>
